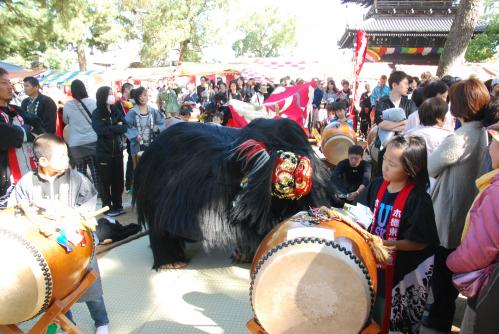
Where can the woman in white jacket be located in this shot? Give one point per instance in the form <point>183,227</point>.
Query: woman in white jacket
<point>144,124</point>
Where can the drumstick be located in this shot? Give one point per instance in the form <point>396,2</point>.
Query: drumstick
<point>380,251</point>
<point>96,213</point>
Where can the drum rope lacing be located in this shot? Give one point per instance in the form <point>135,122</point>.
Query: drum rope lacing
<point>41,262</point>
<point>328,243</point>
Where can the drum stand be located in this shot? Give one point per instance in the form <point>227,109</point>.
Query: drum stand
<point>56,311</point>
<point>254,328</point>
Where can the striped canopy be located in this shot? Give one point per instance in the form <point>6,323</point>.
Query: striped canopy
<point>64,78</point>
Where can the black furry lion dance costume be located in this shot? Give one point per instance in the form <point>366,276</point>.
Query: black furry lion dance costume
<point>225,187</point>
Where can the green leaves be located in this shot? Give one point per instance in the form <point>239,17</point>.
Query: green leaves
<point>33,28</point>
<point>484,46</point>
<point>176,26</point>
<point>265,35</point>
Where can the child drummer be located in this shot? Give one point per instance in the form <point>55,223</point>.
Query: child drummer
<point>55,183</point>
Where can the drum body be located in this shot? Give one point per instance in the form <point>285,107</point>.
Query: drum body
<point>313,278</point>
<point>36,270</point>
<point>336,139</point>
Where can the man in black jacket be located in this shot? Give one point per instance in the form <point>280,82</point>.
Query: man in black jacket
<point>14,125</point>
<point>399,85</point>
<point>38,104</point>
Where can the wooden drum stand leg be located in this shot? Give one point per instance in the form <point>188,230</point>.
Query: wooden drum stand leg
<point>56,311</point>
<point>254,327</point>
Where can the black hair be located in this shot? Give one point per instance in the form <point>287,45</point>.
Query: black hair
<point>432,110</point>
<point>219,97</point>
<point>416,79</point>
<point>136,94</point>
<point>396,77</point>
<point>32,81</point>
<point>448,80</point>
<point>242,79</point>
<point>219,115</point>
<point>185,110</point>
<point>78,90</point>
<point>43,144</point>
<point>270,90</point>
<point>355,149</point>
<point>233,82</point>
<point>414,158</point>
<point>101,96</point>
<point>488,84</point>
<point>338,106</point>
<point>435,87</point>
<point>257,87</point>
<point>418,96</point>
<point>491,113</point>
<point>335,89</point>
<point>125,86</point>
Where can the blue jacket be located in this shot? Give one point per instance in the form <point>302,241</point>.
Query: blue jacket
<point>318,94</point>
<point>378,93</point>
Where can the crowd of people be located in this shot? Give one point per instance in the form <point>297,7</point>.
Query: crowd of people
<point>429,171</point>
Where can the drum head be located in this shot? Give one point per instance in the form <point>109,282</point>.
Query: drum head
<point>310,287</point>
<point>336,148</point>
<point>25,282</point>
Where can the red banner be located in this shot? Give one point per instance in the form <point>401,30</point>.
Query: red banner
<point>360,56</point>
<point>294,103</point>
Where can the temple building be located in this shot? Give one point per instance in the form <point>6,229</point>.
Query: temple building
<point>406,31</point>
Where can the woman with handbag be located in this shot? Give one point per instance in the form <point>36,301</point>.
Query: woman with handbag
<point>144,124</point>
<point>477,257</point>
<point>78,132</point>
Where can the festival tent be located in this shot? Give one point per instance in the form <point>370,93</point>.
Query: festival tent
<point>142,74</point>
<point>17,72</point>
<point>189,69</point>
<point>10,67</point>
<point>190,72</point>
<point>273,69</point>
<point>64,78</point>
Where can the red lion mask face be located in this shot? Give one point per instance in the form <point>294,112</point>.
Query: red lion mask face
<point>292,176</point>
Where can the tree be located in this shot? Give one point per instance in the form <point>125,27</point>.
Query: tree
<point>265,35</point>
<point>36,27</point>
<point>181,25</point>
<point>459,36</point>
<point>363,3</point>
<point>483,46</point>
<point>82,24</point>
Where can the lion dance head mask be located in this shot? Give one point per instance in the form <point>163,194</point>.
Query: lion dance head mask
<point>292,173</point>
<point>292,177</point>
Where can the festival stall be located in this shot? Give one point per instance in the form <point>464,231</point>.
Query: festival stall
<point>189,72</point>
<point>273,69</point>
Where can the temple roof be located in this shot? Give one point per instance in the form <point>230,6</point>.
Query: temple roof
<point>435,26</point>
